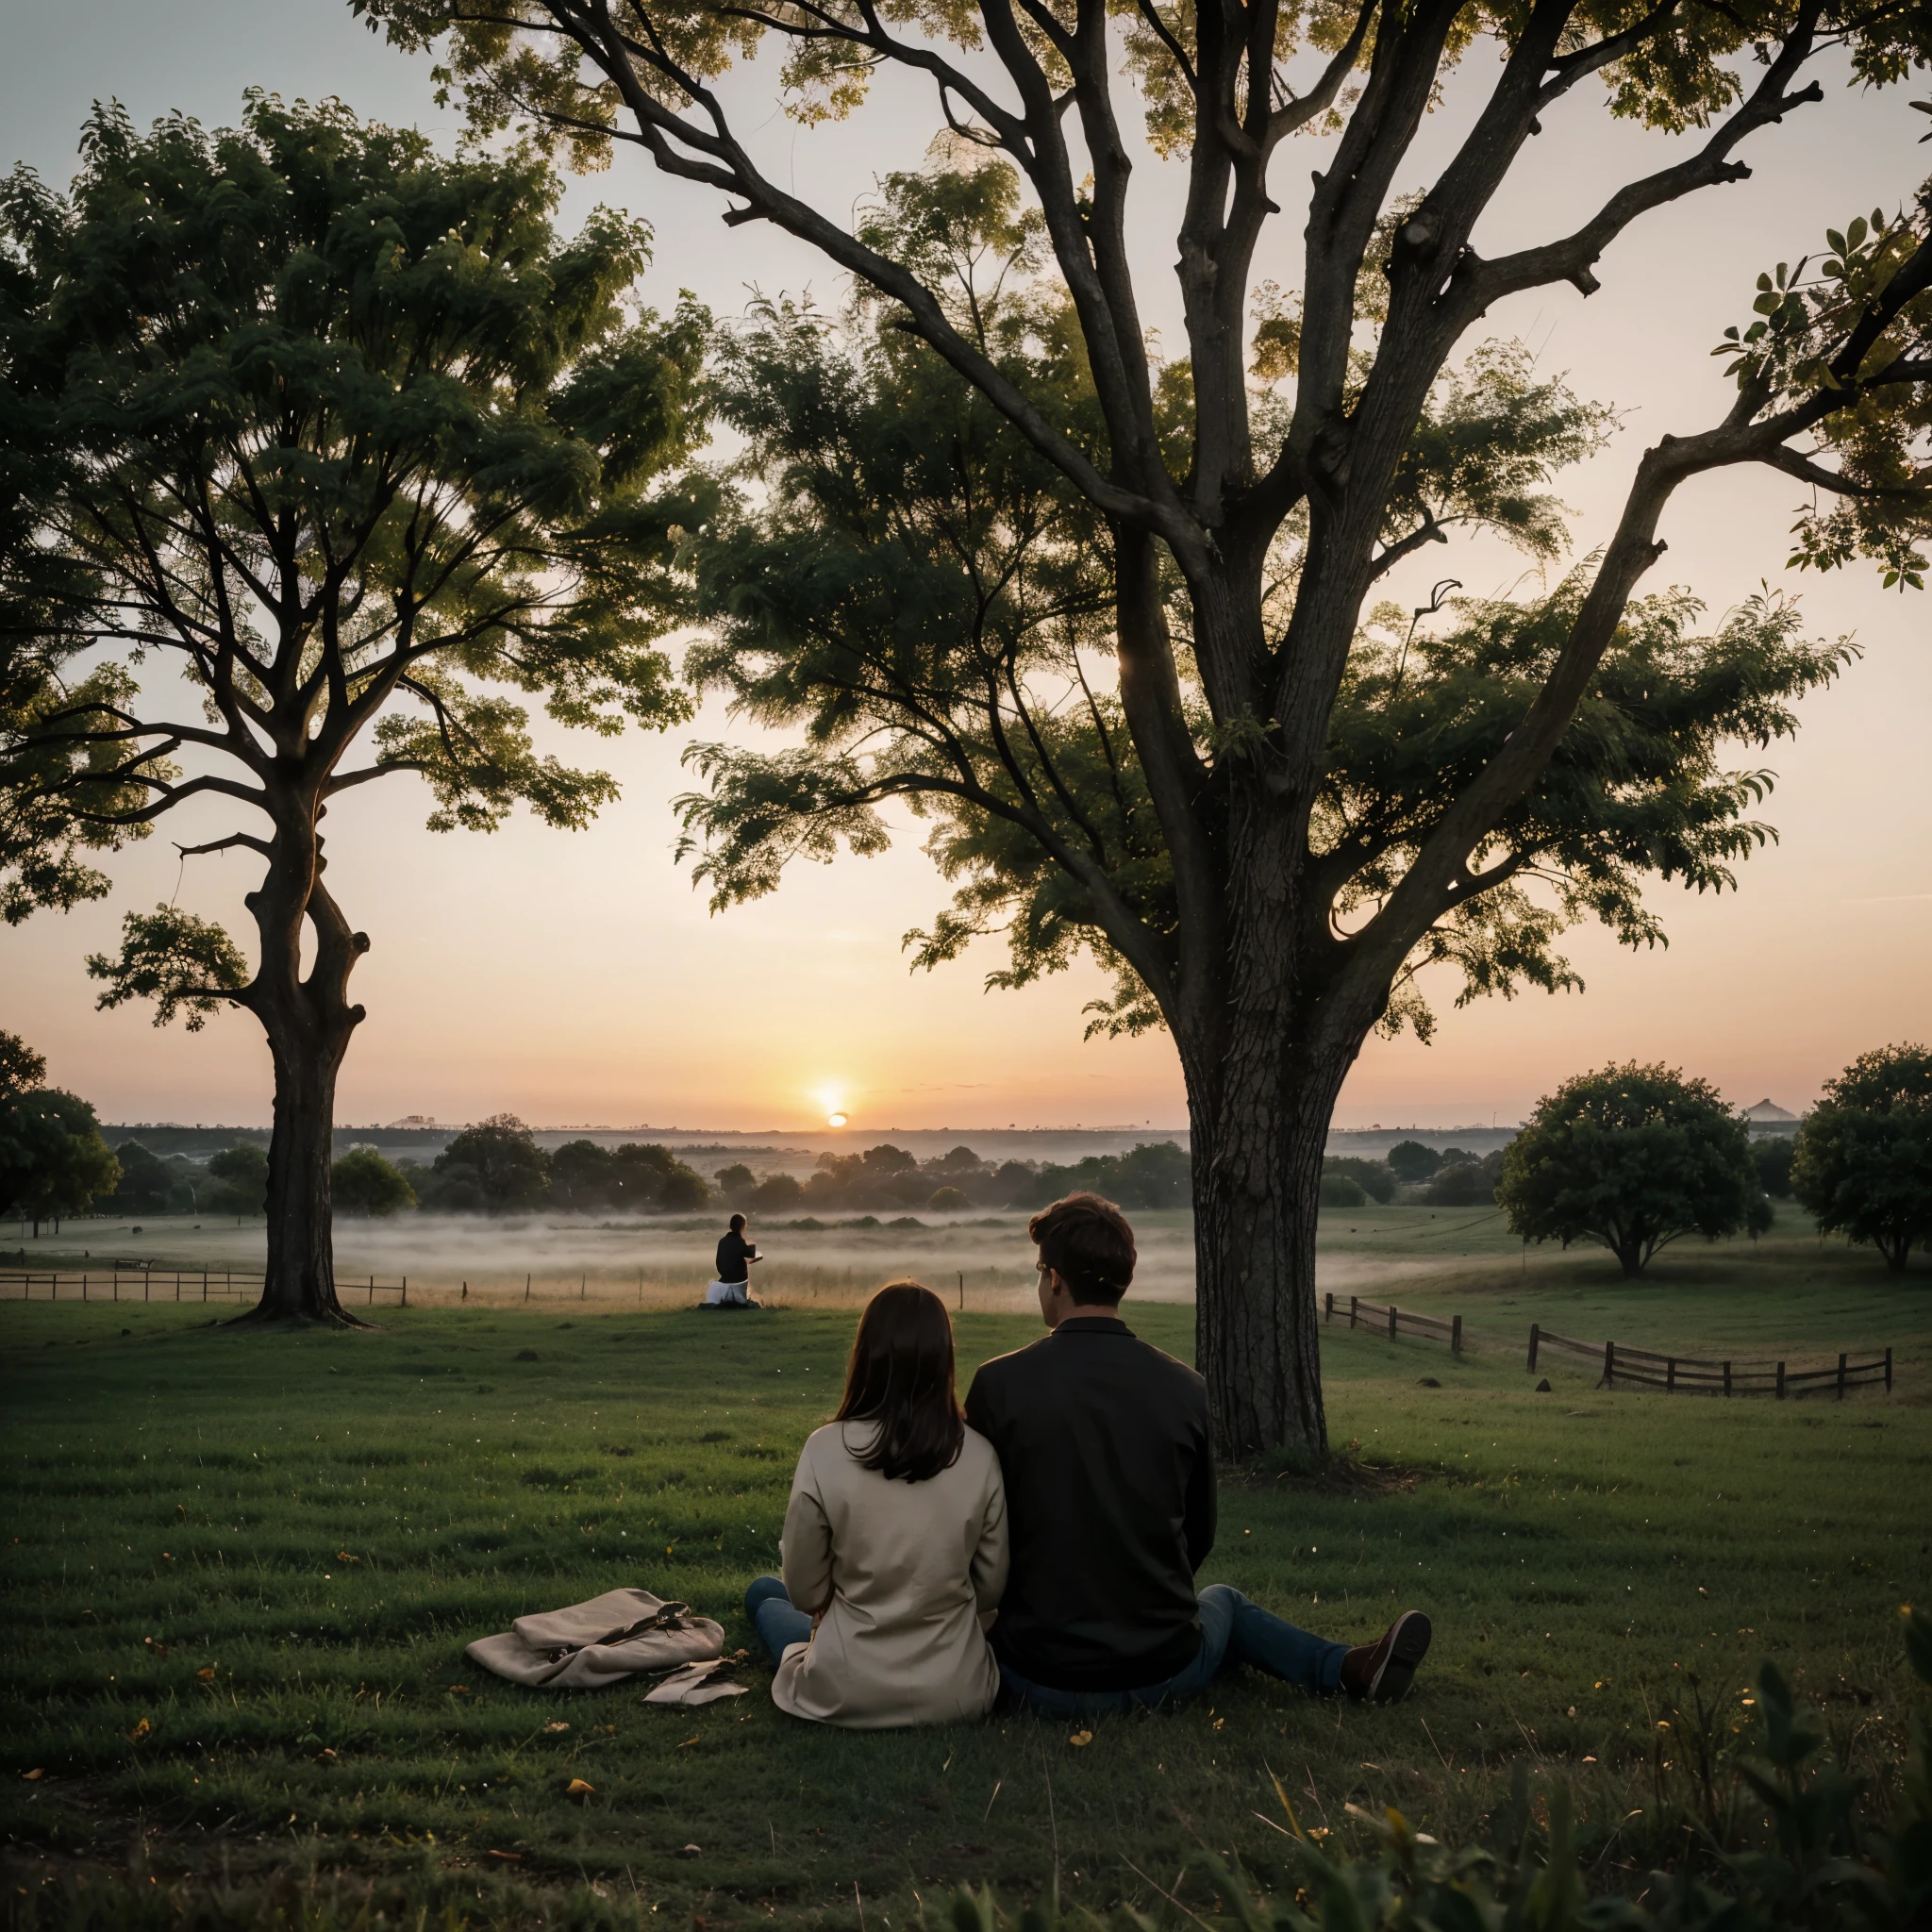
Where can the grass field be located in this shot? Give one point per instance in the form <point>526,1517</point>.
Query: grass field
<point>241,1569</point>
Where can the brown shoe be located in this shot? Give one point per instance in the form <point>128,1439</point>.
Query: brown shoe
<point>1381,1673</point>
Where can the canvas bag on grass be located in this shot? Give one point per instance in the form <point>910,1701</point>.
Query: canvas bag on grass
<point>602,1642</point>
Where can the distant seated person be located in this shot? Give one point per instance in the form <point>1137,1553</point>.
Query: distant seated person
<point>732,1289</point>
<point>1108,1453</point>
<point>895,1548</point>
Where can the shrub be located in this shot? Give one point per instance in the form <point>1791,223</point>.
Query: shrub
<point>777,1193</point>
<point>947,1201</point>
<point>1343,1191</point>
<point>495,1166</point>
<point>362,1182</point>
<point>1468,1183</point>
<point>1632,1158</point>
<point>1772,1156</point>
<point>241,1171</point>
<point>1375,1178</point>
<point>1863,1161</point>
<point>1412,1162</point>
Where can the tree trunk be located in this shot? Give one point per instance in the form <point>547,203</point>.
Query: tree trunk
<point>309,1021</point>
<point>1264,1069</point>
<point>1257,1182</point>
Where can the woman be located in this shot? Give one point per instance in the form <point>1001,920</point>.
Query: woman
<point>894,1549</point>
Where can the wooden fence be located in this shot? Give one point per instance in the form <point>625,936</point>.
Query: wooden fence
<point>1683,1374</point>
<point>167,1285</point>
<point>1393,1321</point>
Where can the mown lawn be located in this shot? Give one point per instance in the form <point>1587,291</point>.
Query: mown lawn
<point>241,1569</point>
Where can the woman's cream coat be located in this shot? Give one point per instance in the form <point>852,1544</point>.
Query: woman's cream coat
<point>901,1577</point>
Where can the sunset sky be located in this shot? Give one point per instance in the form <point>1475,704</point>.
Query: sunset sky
<point>577,978</point>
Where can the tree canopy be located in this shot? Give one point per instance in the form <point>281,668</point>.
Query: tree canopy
<point>1632,1158</point>
<point>53,1161</point>
<point>1862,1166</point>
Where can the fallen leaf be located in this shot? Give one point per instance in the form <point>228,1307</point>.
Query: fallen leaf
<point>690,1852</point>
<point>181,1511</point>
<point>206,1673</point>
<point>167,1556</point>
<point>460,1689</point>
<point>141,1730</point>
<point>325,1756</point>
<point>34,1775</point>
<point>507,1857</point>
<point>159,1648</point>
<point>557,1725</point>
<point>344,1556</point>
<point>1081,1737</point>
<point>578,1789</point>
<point>1221,1724</point>
<point>691,1740</point>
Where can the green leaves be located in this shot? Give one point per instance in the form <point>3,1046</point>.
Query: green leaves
<point>1846,355</point>
<point>1632,1158</point>
<point>184,963</point>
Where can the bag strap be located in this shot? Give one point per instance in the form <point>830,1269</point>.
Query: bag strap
<point>671,1616</point>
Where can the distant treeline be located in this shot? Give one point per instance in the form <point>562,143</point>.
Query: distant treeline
<point>498,1168</point>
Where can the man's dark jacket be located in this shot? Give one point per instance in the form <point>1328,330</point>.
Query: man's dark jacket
<point>1109,1461</point>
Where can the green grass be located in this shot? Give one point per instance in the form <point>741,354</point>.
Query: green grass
<point>184,1500</point>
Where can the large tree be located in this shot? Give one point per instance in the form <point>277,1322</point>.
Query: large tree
<point>1266,910</point>
<point>1863,1159</point>
<point>347,437</point>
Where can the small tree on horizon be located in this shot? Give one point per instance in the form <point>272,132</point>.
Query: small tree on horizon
<point>1632,1158</point>
<point>318,443</point>
<point>1862,1166</point>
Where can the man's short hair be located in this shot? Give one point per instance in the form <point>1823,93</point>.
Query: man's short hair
<point>1088,1244</point>
<point>738,1224</point>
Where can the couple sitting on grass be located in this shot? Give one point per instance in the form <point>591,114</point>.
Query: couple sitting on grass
<point>1065,1510</point>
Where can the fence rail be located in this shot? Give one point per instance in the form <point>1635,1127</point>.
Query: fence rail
<point>1683,1374</point>
<point>1393,1321</point>
<point>165,1285</point>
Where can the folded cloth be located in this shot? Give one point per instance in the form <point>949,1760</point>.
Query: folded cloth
<point>586,1646</point>
<point>703,1683</point>
<point>727,1294</point>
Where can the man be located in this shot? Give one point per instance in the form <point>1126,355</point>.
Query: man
<point>732,1287</point>
<point>1107,1455</point>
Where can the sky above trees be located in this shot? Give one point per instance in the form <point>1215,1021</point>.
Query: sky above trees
<point>579,978</point>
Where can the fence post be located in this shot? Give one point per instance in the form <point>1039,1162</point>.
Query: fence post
<point>1328,1307</point>
<point>83,1296</point>
<point>1609,1380</point>
<point>1888,1372</point>
<point>1780,1381</point>
<point>1841,1379</point>
<point>527,1288</point>
<point>1727,1378</point>
<point>204,1284</point>
<point>1455,1335</point>
<point>1670,1375</point>
<point>1352,1301</point>
<point>372,1291</point>
<point>583,1284</point>
<point>1391,1321</point>
<point>1535,1336</point>
<point>405,1290</point>
<point>962,1289</point>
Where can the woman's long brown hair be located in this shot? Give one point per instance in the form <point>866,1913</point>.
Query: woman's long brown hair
<point>901,1377</point>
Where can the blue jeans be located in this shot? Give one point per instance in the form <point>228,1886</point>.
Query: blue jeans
<point>1233,1631</point>
<point>778,1624</point>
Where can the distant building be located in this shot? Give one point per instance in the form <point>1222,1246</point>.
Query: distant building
<point>1767,1117</point>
